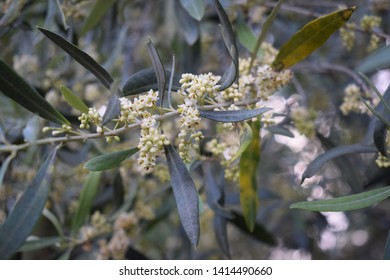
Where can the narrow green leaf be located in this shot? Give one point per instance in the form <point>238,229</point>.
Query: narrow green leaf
<point>185,194</point>
<point>87,196</point>
<point>55,222</point>
<point>259,232</point>
<point>310,37</point>
<point>96,14</point>
<point>345,203</point>
<point>245,140</point>
<point>245,36</point>
<point>231,75</point>
<point>319,161</point>
<point>110,160</point>
<point>194,7</point>
<point>39,243</point>
<point>159,71</point>
<point>146,80</point>
<point>266,26</point>
<point>16,88</point>
<point>21,221</point>
<point>233,116</point>
<point>81,57</point>
<point>380,59</point>
<point>73,100</point>
<point>249,161</point>
<point>387,248</point>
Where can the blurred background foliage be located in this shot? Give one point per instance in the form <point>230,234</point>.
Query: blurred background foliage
<point>115,34</point>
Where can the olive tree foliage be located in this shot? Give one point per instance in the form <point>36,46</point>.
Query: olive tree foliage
<point>194,129</point>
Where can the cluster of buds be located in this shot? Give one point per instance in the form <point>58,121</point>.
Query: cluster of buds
<point>352,102</point>
<point>64,129</point>
<point>151,143</point>
<point>93,117</point>
<point>348,35</point>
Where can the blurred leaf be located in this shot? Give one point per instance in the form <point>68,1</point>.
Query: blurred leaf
<point>96,14</point>
<point>75,157</point>
<point>62,15</point>
<point>113,109</point>
<point>220,230</point>
<point>280,130</point>
<point>345,203</point>
<point>194,7</point>
<point>380,133</point>
<point>245,140</point>
<point>264,30</point>
<point>309,38</point>
<point>319,161</point>
<point>21,221</point>
<point>73,100</point>
<point>40,243</point>
<point>382,98</point>
<point>159,71</point>
<point>376,113</point>
<point>377,60</point>
<point>215,192</point>
<point>232,116</point>
<point>188,26</point>
<point>245,36</point>
<point>231,75</point>
<point>16,88</point>
<point>81,57</point>
<point>259,232</point>
<point>87,196</point>
<point>4,166</point>
<point>110,160</point>
<point>387,248</point>
<point>146,80</point>
<point>55,222</point>
<point>249,161</point>
<point>185,194</point>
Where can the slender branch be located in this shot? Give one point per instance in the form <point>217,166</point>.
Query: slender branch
<point>306,12</point>
<point>321,67</point>
<point>88,136</point>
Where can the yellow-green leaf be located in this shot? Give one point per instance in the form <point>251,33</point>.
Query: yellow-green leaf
<point>245,140</point>
<point>310,37</point>
<point>73,100</point>
<point>248,185</point>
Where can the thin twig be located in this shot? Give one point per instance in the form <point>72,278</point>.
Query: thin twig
<point>321,67</point>
<point>88,136</point>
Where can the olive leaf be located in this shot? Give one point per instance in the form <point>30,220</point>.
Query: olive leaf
<point>194,7</point>
<point>309,38</point>
<point>81,57</point>
<point>319,161</point>
<point>98,10</point>
<point>159,71</point>
<point>185,194</point>
<point>249,161</point>
<point>21,221</point>
<point>377,60</point>
<point>232,116</point>
<point>231,74</point>
<point>16,88</point>
<point>87,196</point>
<point>245,140</point>
<point>145,80</point>
<point>345,203</point>
<point>73,100</point>
<point>110,160</point>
